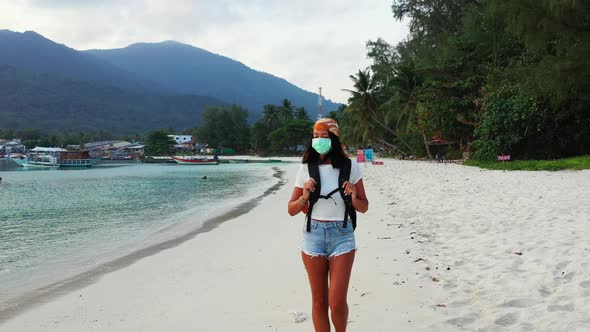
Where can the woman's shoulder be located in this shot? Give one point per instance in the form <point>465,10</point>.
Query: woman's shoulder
<point>303,168</point>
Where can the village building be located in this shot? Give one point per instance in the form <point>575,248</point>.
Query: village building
<point>185,142</point>
<point>102,149</point>
<point>11,146</point>
<point>135,151</point>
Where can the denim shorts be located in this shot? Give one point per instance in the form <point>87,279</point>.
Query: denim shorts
<point>328,238</point>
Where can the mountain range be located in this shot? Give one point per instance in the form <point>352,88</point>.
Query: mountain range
<point>142,87</point>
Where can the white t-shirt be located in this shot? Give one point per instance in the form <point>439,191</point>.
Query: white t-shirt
<point>332,208</point>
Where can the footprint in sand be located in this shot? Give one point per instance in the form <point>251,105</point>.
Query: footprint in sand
<point>562,265</point>
<point>507,320</point>
<point>518,303</point>
<point>578,327</point>
<point>569,276</point>
<point>458,304</point>
<point>544,291</point>
<point>461,321</point>
<point>527,327</point>
<point>449,285</point>
<point>568,307</point>
<point>299,316</point>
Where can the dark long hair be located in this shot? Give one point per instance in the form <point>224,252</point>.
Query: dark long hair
<point>335,155</point>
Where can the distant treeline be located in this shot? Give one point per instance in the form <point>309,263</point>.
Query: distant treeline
<point>283,129</point>
<point>494,76</point>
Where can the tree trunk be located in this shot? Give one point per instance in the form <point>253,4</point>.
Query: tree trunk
<point>382,141</point>
<point>426,145</point>
<point>392,132</point>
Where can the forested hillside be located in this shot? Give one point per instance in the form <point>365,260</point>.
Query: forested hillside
<point>494,76</point>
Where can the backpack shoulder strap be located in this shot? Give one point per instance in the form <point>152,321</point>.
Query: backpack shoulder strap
<point>349,210</point>
<point>344,176</point>
<point>314,172</point>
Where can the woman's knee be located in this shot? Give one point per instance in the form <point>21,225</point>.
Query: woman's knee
<point>319,300</point>
<point>339,306</point>
<point>320,304</point>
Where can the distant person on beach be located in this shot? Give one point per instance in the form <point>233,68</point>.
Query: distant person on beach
<point>328,245</point>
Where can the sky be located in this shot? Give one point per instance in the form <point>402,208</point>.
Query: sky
<point>310,43</point>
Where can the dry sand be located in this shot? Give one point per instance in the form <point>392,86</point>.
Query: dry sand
<point>443,248</point>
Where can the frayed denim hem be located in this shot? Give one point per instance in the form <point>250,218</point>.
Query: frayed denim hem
<point>342,252</point>
<point>313,254</point>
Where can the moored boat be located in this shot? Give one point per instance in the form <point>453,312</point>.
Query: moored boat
<point>158,160</point>
<point>55,157</point>
<point>250,161</point>
<point>75,159</point>
<point>195,160</point>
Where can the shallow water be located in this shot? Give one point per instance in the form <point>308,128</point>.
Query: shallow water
<point>54,222</point>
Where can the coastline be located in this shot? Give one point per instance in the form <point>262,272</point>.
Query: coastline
<point>443,247</point>
<point>19,305</point>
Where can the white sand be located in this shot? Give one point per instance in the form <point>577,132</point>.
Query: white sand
<point>247,275</point>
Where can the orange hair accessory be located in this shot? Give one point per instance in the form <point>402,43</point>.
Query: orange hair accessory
<point>327,124</point>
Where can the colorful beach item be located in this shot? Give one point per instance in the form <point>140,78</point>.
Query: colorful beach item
<point>360,156</point>
<point>369,155</point>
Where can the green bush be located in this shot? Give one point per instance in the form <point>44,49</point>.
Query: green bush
<point>416,142</point>
<point>507,118</point>
<point>576,163</point>
<point>454,154</point>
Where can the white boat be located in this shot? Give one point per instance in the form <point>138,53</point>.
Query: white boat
<point>39,160</point>
<point>195,160</point>
<point>54,157</point>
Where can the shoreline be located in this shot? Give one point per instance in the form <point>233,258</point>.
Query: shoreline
<point>247,276</point>
<point>20,304</point>
<point>442,248</point>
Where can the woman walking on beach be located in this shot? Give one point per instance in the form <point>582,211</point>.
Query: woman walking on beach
<point>329,188</point>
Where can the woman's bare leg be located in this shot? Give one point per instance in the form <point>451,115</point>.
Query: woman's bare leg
<point>317,272</point>
<point>340,268</point>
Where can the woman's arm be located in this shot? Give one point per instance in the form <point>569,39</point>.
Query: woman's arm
<point>359,198</point>
<point>296,203</point>
<point>300,197</point>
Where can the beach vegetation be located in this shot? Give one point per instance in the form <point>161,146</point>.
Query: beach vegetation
<point>490,77</point>
<point>573,163</point>
<point>225,127</point>
<point>158,143</point>
<point>283,129</point>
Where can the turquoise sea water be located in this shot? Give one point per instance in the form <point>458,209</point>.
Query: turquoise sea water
<point>55,223</point>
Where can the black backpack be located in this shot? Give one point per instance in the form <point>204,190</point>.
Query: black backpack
<point>349,211</point>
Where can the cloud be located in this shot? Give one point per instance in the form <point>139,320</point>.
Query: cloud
<point>309,43</point>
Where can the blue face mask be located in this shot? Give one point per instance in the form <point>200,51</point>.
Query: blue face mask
<point>321,144</point>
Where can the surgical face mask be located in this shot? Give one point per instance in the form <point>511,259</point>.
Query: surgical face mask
<point>321,144</point>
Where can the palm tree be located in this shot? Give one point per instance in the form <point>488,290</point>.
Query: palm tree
<point>364,103</point>
<point>286,110</point>
<point>271,117</point>
<point>402,88</point>
<point>403,105</point>
<point>333,115</point>
<point>301,114</point>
